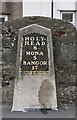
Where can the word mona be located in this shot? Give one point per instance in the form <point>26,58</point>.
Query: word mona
<point>35,41</point>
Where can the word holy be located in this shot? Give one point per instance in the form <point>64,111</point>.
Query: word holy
<point>35,41</point>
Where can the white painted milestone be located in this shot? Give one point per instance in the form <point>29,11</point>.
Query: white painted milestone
<point>35,86</point>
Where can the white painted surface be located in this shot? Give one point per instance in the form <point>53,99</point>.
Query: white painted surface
<point>28,84</point>
<point>76,14</point>
<point>68,6</point>
<point>65,6</point>
<point>44,8</point>
<point>76,5</point>
<point>26,93</point>
<point>37,9</point>
<point>68,12</point>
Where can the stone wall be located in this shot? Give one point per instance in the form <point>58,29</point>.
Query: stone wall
<point>12,9</point>
<point>64,41</point>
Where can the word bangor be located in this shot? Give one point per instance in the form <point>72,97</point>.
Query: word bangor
<point>34,63</point>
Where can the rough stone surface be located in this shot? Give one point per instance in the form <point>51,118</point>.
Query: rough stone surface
<point>64,42</point>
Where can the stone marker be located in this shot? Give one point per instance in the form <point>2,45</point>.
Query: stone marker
<point>35,78</point>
